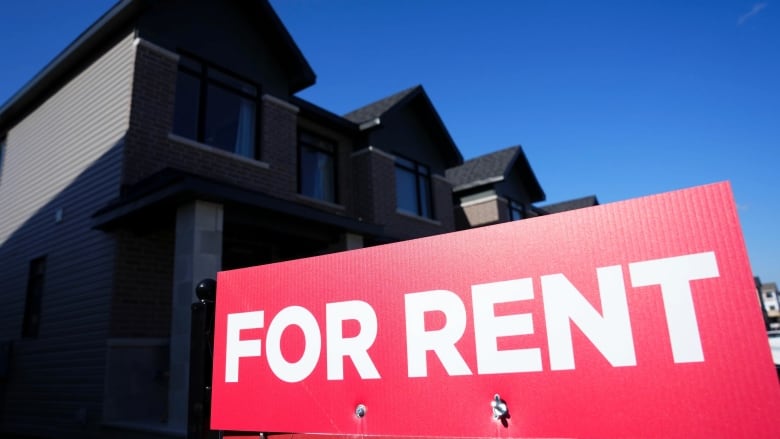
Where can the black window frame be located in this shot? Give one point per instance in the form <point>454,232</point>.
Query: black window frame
<point>36,280</point>
<point>421,172</point>
<point>318,147</point>
<point>516,210</point>
<point>201,70</point>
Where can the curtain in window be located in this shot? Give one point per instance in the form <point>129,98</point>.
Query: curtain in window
<point>324,189</point>
<point>245,130</point>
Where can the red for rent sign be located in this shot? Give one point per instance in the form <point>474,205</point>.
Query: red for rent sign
<point>632,319</point>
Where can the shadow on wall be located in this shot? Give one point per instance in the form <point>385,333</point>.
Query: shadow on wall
<point>56,379</point>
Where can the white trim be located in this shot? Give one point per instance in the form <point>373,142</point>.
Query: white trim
<point>482,200</point>
<point>373,150</point>
<point>417,217</point>
<point>375,122</point>
<point>214,150</point>
<point>155,48</point>
<point>478,183</point>
<point>284,104</point>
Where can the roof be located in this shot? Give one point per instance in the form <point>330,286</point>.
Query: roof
<point>119,17</point>
<point>577,203</point>
<point>324,116</point>
<point>379,108</point>
<point>370,116</point>
<point>493,168</point>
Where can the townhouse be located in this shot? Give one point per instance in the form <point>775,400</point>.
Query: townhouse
<point>163,145</point>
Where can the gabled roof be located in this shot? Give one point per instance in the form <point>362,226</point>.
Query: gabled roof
<point>577,203</point>
<point>370,116</point>
<point>379,108</point>
<point>116,19</point>
<point>325,116</point>
<point>493,168</point>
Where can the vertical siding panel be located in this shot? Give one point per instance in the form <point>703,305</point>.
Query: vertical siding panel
<point>64,155</point>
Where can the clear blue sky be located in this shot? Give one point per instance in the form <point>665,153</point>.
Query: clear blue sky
<point>614,98</point>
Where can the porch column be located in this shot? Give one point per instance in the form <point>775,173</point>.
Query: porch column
<point>352,241</point>
<point>198,255</point>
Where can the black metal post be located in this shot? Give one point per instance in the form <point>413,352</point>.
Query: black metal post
<point>201,357</point>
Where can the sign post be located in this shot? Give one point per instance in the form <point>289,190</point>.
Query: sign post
<point>631,319</point>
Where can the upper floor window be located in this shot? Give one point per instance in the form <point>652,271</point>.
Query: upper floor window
<point>515,211</point>
<point>216,108</point>
<point>316,167</point>
<point>32,304</point>
<point>413,187</point>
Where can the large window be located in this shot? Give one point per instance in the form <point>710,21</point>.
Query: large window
<point>32,304</point>
<point>316,167</point>
<point>413,187</point>
<point>216,108</point>
<point>515,211</point>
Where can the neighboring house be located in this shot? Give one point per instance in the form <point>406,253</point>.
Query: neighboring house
<point>148,156</point>
<point>410,146</point>
<point>771,304</point>
<point>564,206</point>
<point>494,188</point>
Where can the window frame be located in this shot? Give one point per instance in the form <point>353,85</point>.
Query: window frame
<point>209,74</point>
<point>516,210</point>
<point>33,301</point>
<point>420,172</point>
<point>333,154</point>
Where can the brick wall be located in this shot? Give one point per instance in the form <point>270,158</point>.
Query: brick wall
<point>442,197</point>
<point>149,148</point>
<point>279,149</point>
<point>151,114</point>
<point>373,185</point>
<point>375,198</point>
<point>141,306</point>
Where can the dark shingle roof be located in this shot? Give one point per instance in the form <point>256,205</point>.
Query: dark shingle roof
<point>483,169</point>
<point>417,98</point>
<point>495,167</point>
<point>380,107</point>
<point>577,203</point>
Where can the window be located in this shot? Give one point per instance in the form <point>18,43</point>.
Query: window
<point>32,304</point>
<point>413,187</point>
<point>215,108</point>
<point>316,167</point>
<point>515,211</point>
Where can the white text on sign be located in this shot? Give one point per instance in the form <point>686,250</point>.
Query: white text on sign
<point>609,330</point>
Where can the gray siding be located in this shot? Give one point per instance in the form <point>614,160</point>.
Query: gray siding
<point>64,155</point>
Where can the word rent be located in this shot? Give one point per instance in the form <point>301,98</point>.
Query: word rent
<point>608,330</point>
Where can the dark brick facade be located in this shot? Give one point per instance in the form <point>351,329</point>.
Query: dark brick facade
<point>150,148</point>
<point>374,191</point>
<point>141,305</point>
<point>375,198</point>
